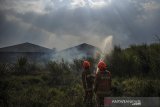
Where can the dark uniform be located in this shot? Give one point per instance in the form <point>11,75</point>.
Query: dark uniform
<point>102,86</point>
<point>88,81</point>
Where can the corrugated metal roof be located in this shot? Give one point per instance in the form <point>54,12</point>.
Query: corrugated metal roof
<point>25,47</point>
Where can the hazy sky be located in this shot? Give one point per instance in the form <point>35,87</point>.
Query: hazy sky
<point>65,23</point>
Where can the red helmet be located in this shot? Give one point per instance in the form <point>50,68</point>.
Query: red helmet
<point>86,64</point>
<point>102,66</point>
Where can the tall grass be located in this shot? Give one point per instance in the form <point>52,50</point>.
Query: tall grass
<point>59,83</point>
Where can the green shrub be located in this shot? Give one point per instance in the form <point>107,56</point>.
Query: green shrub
<point>22,65</point>
<point>141,87</point>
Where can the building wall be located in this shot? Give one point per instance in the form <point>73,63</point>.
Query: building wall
<point>12,57</point>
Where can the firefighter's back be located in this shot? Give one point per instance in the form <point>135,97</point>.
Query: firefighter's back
<point>104,82</point>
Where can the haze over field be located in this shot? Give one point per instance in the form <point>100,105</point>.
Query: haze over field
<point>66,23</point>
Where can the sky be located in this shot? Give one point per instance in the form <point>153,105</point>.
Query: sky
<point>65,23</point>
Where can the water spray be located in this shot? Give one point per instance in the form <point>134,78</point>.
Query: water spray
<point>106,49</point>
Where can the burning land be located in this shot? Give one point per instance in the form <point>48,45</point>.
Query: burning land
<point>135,73</point>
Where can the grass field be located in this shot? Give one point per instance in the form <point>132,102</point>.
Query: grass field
<point>135,73</point>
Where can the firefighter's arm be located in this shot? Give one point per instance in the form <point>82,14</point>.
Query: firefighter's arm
<point>96,83</point>
<point>83,80</point>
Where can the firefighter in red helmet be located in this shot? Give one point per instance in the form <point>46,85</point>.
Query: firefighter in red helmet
<point>88,82</point>
<point>102,86</point>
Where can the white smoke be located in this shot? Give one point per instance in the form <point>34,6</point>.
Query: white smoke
<point>105,46</point>
<point>68,55</point>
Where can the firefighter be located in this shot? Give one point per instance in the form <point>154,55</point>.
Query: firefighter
<point>88,81</point>
<point>102,86</point>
